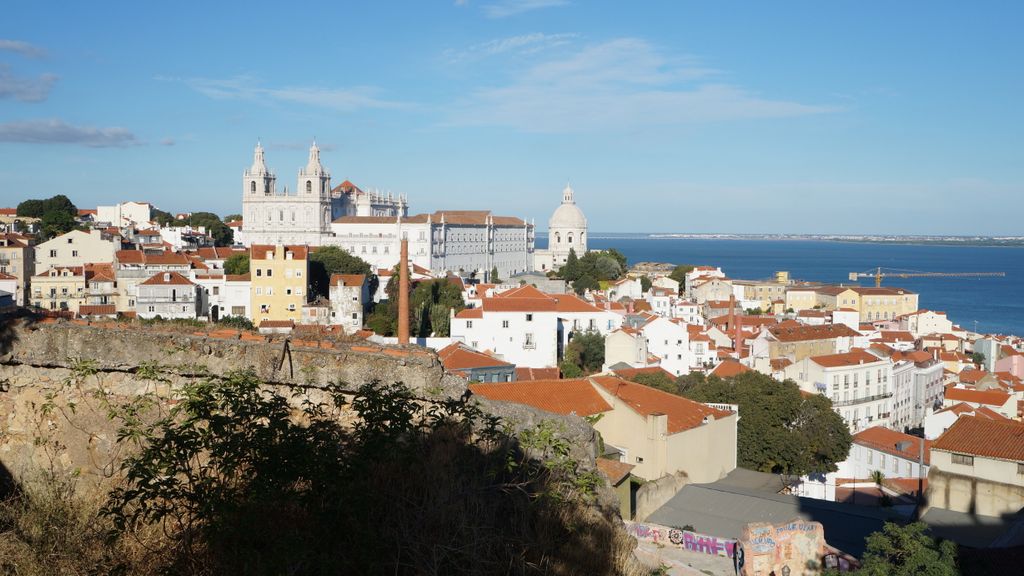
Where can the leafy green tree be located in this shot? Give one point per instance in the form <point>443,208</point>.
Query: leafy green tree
<point>327,261</point>
<point>232,218</point>
<point>659,380</point>
<point>40,208</point>
<point>619,258</point>
<point>754,311</point>
<point>570,370</point>
<point>570,270</point>
<point>679,275</point>
<point>585,351</point>
<point>494,276</point>
<point>220,232</point>
<point>978,358</point>
<point>237,264</point>
<point>645,283</point>
<point>584,283</point>
<point>606,267</point>
<point>780,430</point>
<point>906,551</point>
<point>55,223</point>
<point>166,219</point>
<point>239,322</point>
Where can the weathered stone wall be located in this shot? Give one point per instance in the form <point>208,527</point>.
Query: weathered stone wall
<point>972,495</point>
<point>52,420</point>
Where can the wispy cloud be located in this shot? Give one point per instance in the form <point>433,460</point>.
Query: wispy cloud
<point>54,131</point>
<point>23,48</point>
<point>249,88</point>
<point>506,8</point>
<point>168,142</point>
<point>620,84</point>
<point>522,44</point>
<point>25,89</point>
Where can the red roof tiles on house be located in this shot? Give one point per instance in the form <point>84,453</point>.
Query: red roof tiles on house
<point>983,437</point>
<point>167,279</point>
<point>854,357</point>
<point>347,279</point>
<point>615,471</point>
<point>683,413</point>
<point>892,442</point>
<point>630,373</point>
<point>729,368</point>
<point>457,357</point>
<point>576,396</point>
<point>260,251</point>
<point>527,373</point>
<point>987,397</point>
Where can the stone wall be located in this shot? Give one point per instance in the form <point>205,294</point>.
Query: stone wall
<point>52,420</point>
<point>972,495</point>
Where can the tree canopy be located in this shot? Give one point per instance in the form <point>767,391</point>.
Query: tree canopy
<point>430,306</point>
<point>780,430</point>
<point>679,275</point>
<point>237,264</point>
<point>326,261</point>
<point>40,208</point>
<point>583,355</point>
<point>906,551</point>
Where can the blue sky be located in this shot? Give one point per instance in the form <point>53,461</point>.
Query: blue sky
<point>843,116</point>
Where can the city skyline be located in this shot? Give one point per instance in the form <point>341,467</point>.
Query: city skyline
<point>807,119</point>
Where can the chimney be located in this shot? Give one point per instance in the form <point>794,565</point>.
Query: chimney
<point>403,294</point>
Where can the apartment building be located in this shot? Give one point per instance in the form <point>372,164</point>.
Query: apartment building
<point>279,278</point>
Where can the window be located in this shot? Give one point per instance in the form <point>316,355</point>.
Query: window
<point>288,291</point>
<point>504,323</point>
<point>252,187</point>
<point>965,460</point>
<point>355,316</point>
<point>529,317</point>
<point>259,272</point>
<point>469,324</point>
<point>309,186</point>
<point>270,291</point>
<point>216,290</point>
<point>259,291</point>
<point>270,272</point>
<point>1020,467</point>
<point>265,308</point>
<point>291,307</point>
<point>238,310</point>
<point>287,273</point>
<point>528,342</point>
<point>871,456</point>
<point>152,309</point>
<point>53,253</point>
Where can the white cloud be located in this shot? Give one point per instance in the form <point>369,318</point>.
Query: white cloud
<point>56,131</point>
<point>248,88</point>
<point>23,48</point>
<point>620,84</point>
<point>506,8</point>
<point>522,44</point>
<point>25,89</point>
<point>168,142</point>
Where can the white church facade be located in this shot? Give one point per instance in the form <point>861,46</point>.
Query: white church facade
<point>567,231</point>
<point>371,225</point>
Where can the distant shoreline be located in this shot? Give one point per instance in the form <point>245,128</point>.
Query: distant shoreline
<point>975,241</point>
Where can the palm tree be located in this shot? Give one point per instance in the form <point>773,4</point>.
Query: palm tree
<point>878,477</point>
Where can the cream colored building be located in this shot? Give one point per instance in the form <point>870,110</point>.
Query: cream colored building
<point>657,432</point>
<point>17,260</point>
<point>972,473</point>
<point>280,277</point>
<point>59,288</point>
<point>75,248</point>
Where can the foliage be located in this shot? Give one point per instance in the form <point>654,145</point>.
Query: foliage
<point>570,370</point>
<point>659,380</point>
<point>243,480</point>
<point>907,551</point>
<point>232,218</point>
<point>494,276</point>
<point>240,322</point>
<point>754,311</point>
<point>54,224</point>
<point>780,430</point>
<point>645,283</point>
<point>327,261</point>
<point>597,264</point>
<point>237,264</point>
<point>220,232</point>
<point>585,351</point>
<point>978,358</point>
<point>430,306</point>
<point>40,208</point>
<point>584,283</point>
<point>679,275</point>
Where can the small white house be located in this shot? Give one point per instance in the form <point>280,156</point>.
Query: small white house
<point>168,295</point>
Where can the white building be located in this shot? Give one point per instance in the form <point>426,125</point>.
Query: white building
<point>917,388</point>
<point>858,383</point>
<point>168,295</point>
<point>529,328</point>
<point>224,295</point>
<point>349,294</point>
<point>625,346</point>
<point>924,322</point>
<point>669,341</point>
<point>75,248</point>
<point>125,214</point>
<point>567,231</point>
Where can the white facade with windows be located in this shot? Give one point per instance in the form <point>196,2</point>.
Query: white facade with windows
<point>74,248</point>
<point>859,384</point>
<point>168,295</point>
<point>670,342</point>
<point>224,295</point>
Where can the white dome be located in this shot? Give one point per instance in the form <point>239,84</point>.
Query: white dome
<point>567,216</point>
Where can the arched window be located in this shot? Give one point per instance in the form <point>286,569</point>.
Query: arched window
<point>252,187</point>
<point>309,186</point>
<point>569,237</point>
<point>558,238</point>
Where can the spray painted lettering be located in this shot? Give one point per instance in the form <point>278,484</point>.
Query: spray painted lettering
<point>684,539</point>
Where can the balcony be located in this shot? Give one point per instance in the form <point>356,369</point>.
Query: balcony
<point>839,403</point>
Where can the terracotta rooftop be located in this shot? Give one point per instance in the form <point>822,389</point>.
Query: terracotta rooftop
<point>457,357</point>
<point>683,413</point>
<point>728,369</point>
<point>615,471</point>
<point>527,373</point>
<point>97,309</point>
<point>804,333</point>
<point>259,251</point>
<point>347,279</point>
<point>470,313</point>
<point>277,324</point>
<point>984,437</point>
<point>630,373</point>
<point>576,396</point>
<point>892,442</point>
<point>854,357</point>
<point>981,411</point>
<point>167,279</point>
<point>988,397</point>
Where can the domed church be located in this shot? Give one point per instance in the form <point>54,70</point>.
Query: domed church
<point>567,230</point>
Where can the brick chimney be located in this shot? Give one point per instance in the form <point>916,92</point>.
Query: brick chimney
<point>403,294</point>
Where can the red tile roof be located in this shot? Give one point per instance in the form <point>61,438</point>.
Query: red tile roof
<point>527,373</point>
<point>854,357</point>
<point>892,442</point>
<point>630,373</point>
<point>167,279</point>
<point>804,333</point>
<point>457,357</point>
<point>971,375</point>
<point>97,309</point>
<point>576,396</point>
<point>277,324</point>
<point>470,313</point>
<point>984,437</point>
<point>988,397</point>
<point>615,471</point>
<point>729,368</point>
<point>259,251</point>
<point>683,413</point>
<point>347,279</point>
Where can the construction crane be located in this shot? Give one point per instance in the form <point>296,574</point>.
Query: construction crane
<point>878,274</point>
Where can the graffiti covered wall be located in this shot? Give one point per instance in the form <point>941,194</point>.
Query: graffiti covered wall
<point>683,539</point>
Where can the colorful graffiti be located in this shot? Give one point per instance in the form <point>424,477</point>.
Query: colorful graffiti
<point>796,548</point>
<point>685,539</point>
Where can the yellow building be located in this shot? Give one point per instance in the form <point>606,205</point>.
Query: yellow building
<point>872,303</point>
<point>59,288</point>
<point>280,277</point>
